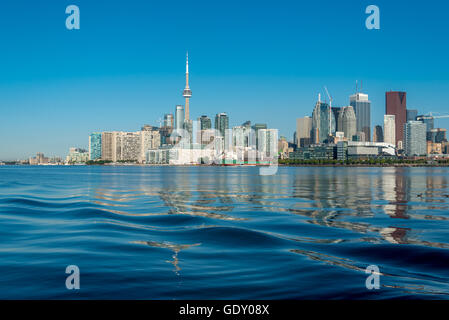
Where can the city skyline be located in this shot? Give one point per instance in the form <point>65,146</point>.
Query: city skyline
<point>58,84</point>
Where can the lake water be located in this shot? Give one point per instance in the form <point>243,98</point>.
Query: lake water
<point>223,232</point>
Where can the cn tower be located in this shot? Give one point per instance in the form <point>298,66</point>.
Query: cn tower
<point>187,93</point>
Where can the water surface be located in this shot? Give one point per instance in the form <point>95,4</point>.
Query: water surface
<point>223,232</point>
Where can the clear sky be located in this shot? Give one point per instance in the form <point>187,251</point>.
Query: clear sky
<point>263,61</point>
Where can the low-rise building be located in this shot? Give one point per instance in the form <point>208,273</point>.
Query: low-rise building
<point>77,155</point>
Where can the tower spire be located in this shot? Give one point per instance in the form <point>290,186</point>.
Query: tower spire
<point>187,93</point>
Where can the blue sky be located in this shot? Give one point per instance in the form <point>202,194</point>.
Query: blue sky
<point>263,61</point>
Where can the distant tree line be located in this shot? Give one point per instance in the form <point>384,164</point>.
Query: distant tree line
<point>97,162</point>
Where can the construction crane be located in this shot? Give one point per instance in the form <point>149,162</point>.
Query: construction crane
<point>430,116</point>
<point>330,110</point>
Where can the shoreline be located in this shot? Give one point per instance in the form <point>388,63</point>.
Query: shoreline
<point>361,165</point>
<point>393,165</point>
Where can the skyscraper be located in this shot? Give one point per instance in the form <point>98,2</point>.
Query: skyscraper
<point>415,138</point>
<point>204,133</point>
<point>167,129</point>
<point>321,126</point>
<point>238,137</point>
<point>255,134</point>
<point>347,122</point>
<point>187,93</point>
<point>304,131</point>
<point>179,117</point>
<point>411,114</point>
<point>221,123</point>
<point>428,120</point>
<point>378,135</point>
<point>336,111</point>
<point>168,120</point>
<point>109,145</point>
<point>205,123</point>
<point>390,129</point>
<point>437,135</point>
<point>95,146</point>
<point>396,104</point>
<point>362,109</point>
<point>268,144</point>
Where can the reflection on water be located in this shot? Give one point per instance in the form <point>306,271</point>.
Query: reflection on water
<point>248,236</point>
<point>174,247</point>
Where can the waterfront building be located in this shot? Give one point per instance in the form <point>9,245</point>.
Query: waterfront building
<point>396,104</point>
<point>130,148</point>
<point>109,146</point>
<point>362,110</point>
<point>38,159</point>
<point>304,131</point>
<point>390,129</point>
<point>77,155</point>
<point>150,140</point>
<point>367,150</point>
<point>314,152</point>
<point>95,146</point>
<point>267,148</point>
<point>342,150</point>
<point>415,138</point>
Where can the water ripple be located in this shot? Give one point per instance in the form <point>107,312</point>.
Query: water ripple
<point>226,233</point>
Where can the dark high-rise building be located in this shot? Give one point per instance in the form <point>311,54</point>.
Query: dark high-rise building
<point>378,134</point>
<point>205,123</point>
<point>437,135</point>
<point>222,123</point>
<point>411,115</point>
<point>396,104</point>
<point>336,111</point>
<point>362,109</point>
<point>323,122</point>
